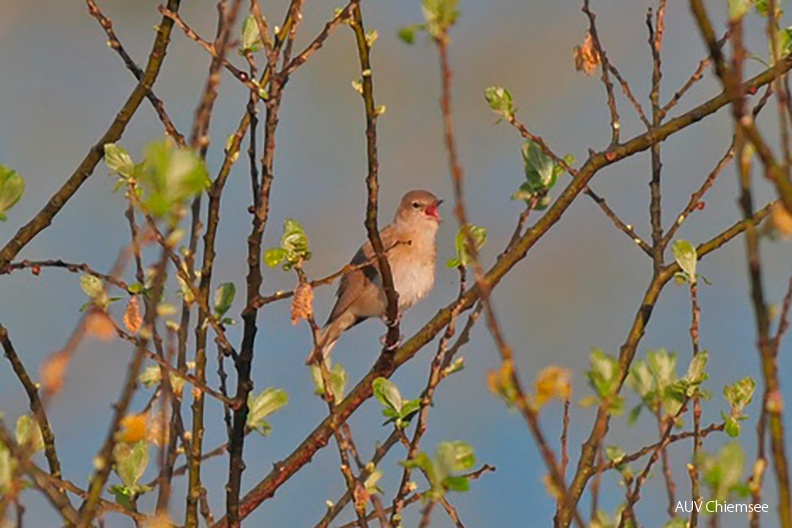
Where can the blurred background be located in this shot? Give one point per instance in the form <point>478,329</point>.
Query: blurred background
<point>579,287</point>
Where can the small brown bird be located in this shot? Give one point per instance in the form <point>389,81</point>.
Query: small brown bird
<point>410,244</point>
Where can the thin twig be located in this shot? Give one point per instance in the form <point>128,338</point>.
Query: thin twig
<point>211,49</point>
<point>588,191</point>
<point>318,438</point>
<point>372,183</point>
<point>36,265</point>
<point>507,357</point>
<point>115,44</point>
<point>254,279</point>
<point>605,68</point>
<point>36,406</point>
<point>695,77</point>
<point>44,217</point>
<point>104,458</point>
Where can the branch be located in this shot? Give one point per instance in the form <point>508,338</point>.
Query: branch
<point>372,183</point>
<point>731,78</point>
<point>507,357</point>
<point>588,191</point>
<point>36,265</point>
<point>54,494</point>
<point>115,44</point>
<point>261,201</point>
<point>585,468</point>
<point>35,403</point>
<point>605,67</point>
<point>104,459</point>
<point>211,48</point>
<point>318,438</point>
<point>745,132</point>
<point>44,218</point>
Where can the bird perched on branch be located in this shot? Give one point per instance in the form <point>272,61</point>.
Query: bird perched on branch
<point>409,242</point>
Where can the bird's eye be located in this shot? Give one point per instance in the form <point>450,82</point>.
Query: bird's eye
<point>416,205</point>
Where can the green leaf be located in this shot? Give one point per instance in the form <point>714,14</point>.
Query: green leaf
<point>131,462</point>
<point>371,482</point>
<point>539,167</point>
<point>479,235</point>
<point>676,522</point>
<point>251,36</point>
<point>453,457</point>
<point>421,461</point>
<point>169,176</point>
<point>695,373</point>
<point>123,496</point>
<point>407,33</point>
<point>500,101</point>
<point>635,413</point>
<point>738,9</point>
<point>230,143</point>
<point>588,401</point>
<point>7,466</point>
<point>274,256</point>
<point>12,187</point>
<point>152,376</point>
<point>685,256</point>
<point>440,15</point>
<point>118,160</point>
<point>135,288</point>
<point>614,453</point>
<point>784,38</point>
<point>732,427</point>
<point>604,373</point>
<point>457,365</point>
<point>293,247</point>
<point>541,175</point>
<point>338,380</point>
<point>458,484</point>
<point>261,406</point>
<point>223,298</point>
<point>294,239</point>
<point>388,394</point>
<point>640,379</point>
<point>186,292</point>
<point>723,472</point>
<point>409,409</point>
<point>92,286</point>
<point>662,365</point>
<point>740,393</point>
<point>28,432</point>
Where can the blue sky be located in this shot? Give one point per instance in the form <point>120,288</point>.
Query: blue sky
<point>578,288</point>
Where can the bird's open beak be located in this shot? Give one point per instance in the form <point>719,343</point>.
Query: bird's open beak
<point>433,212</point>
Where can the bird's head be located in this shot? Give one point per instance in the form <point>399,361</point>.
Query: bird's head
<point>418,209</point>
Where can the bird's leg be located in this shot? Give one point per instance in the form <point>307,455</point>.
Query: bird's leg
<point>384,338</point>
<point>397,344</point>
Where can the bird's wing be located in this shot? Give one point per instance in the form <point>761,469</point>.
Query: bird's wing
<point>355,282</point>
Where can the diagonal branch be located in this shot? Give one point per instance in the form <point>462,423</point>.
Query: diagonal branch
<point>44,218</point>
<point>319,437</point>
<point>35,402</point>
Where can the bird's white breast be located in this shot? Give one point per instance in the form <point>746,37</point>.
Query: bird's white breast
<point>413,282</point>
<point>413,266</point>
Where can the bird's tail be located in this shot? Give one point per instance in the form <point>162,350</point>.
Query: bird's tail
<point>328,337</point>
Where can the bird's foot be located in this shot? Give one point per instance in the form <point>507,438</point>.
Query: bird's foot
<point>395,322</point>
<point>384,341</point>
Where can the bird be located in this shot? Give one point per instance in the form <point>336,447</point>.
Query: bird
<point>410,245</point>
